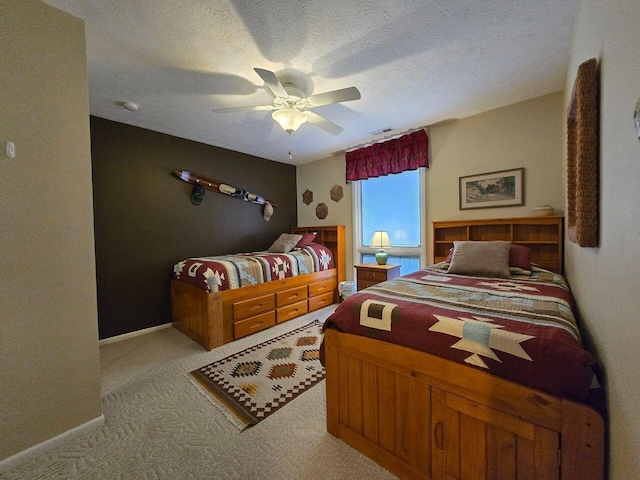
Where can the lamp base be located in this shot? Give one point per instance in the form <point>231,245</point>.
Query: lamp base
<point>381,257</point>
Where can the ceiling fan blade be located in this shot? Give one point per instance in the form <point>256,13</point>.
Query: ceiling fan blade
<point>272,82</point>
<point>335,96</point>
<point>250,108</point>
<point>323,123</point>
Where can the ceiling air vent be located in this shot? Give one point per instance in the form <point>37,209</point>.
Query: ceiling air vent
<point>381,131</point>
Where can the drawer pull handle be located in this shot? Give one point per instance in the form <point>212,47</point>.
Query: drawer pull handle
<point>438,436</point>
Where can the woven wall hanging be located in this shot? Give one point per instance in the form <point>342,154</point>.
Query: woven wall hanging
<point>307,197</point>
<point>582,157</point>
<point>322,211</point>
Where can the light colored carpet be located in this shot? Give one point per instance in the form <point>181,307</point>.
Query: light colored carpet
<point>158,426</point>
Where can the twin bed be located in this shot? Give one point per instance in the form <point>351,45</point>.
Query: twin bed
<point>491,382</point>
<point>206,308</point>
<point>471,389</point>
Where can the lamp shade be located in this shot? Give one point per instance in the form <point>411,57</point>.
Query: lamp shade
<point>289,119</point>
<point>380,240</point>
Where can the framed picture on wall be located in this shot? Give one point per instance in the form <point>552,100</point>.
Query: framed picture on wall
<point>495,189</point>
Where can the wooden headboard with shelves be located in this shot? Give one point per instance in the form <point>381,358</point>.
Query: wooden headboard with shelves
<point>332,237</point>
<point>543,235</point>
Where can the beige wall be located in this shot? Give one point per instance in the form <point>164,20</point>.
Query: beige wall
<point>49,359</point>
<point>605,280</point>
<point>527,134</point>
<point>320,177</point>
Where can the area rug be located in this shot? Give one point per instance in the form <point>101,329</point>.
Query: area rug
<point>258,381</point>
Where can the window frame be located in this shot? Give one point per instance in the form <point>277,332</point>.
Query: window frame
<point>359,249</point>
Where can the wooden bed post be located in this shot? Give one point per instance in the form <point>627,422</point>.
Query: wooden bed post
<point>190,309</point>
<point>331,366</point>
<point>583,437</point>
<point>214,323</point>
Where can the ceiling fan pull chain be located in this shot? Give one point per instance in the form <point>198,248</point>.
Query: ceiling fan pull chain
<point>289,132</point>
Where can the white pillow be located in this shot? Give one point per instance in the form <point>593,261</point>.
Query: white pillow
<point>285,243</point>
<point>485,259</point>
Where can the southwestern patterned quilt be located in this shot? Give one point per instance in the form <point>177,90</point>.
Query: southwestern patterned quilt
<point>244,269</point>
<point>521,328</point>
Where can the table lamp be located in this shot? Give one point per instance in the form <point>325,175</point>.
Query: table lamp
<point>380,240</point>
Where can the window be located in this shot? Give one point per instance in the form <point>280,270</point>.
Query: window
<point>394,203</point>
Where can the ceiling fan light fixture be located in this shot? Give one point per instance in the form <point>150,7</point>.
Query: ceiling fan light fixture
<point>289,119</point>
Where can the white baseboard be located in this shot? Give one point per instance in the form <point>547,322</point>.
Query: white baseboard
<point>50,444</point>
<point>125,336</point>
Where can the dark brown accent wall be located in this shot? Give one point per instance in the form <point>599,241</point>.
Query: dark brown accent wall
<point>145,221</point>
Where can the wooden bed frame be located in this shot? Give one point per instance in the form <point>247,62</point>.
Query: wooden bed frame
<point>215,318</point>
<point>421,416</point>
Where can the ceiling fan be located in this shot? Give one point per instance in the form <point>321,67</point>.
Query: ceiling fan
<point>291,107</point>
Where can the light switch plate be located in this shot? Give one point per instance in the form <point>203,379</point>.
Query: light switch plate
<point>11,150</point>
<point>636,118</point>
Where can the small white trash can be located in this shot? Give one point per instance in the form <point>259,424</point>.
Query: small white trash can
<point>346,289</point>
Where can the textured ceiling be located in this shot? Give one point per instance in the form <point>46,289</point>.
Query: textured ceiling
<point>415,63</point>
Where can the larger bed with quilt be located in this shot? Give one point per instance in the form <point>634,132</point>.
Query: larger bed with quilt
<point>472,368</point>
<point>216,300</point>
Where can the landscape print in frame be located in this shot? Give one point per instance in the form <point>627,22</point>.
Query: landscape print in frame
<point>494,189</point>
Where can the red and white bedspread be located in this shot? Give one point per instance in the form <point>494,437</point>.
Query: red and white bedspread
<point>244,269</point>
<point>522,328</point>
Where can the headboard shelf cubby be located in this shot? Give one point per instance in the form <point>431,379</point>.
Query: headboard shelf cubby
<point>543,235</point>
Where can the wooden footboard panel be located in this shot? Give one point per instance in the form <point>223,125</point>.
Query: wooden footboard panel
<point>421,416</point>
<point>197,313</point>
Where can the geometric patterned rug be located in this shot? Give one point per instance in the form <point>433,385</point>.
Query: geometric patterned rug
<point>254,383</point>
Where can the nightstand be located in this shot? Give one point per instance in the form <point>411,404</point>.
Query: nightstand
<point>368,274</point>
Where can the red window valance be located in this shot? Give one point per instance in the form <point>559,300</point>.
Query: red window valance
<point>393,156</point>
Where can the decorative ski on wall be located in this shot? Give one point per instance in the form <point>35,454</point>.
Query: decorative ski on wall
<point>201,183</point>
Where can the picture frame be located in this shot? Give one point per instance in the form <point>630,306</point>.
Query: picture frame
<point>504,188</point>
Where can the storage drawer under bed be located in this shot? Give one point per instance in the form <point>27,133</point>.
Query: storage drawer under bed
<point>250,325</point>
<point>291,311</point>
<point>320,301</point>
<point>324,286</point>
<point>292,295</point>
<point>253,306</point>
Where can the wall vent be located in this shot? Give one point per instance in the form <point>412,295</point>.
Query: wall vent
<point>381,131</point>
